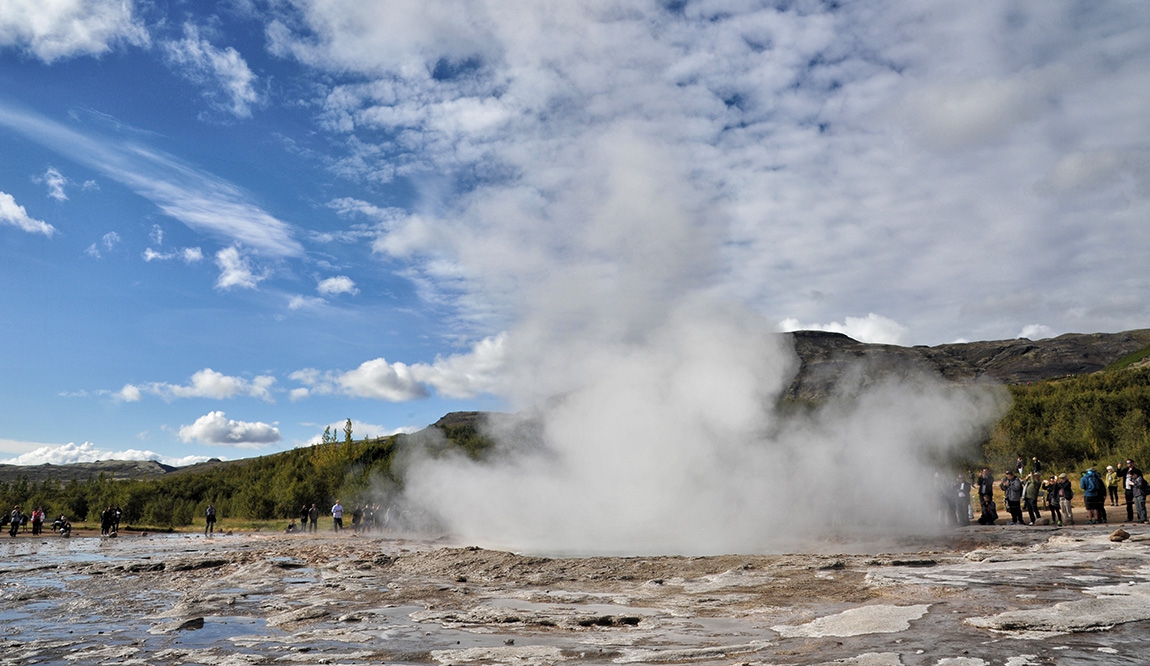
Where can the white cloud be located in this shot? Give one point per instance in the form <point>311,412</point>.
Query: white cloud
<point>15,215</point>
<point>359,430</point>
<point>108,241</point>
<point>457,376</point>
<point>235,270</point>
<point>299,302</point>
<point>230,83</point>
<point>337,285</point>
<point>157,234</point>
<point>1034,332</point>
<point>87,452</point>
<point>873,328</point>
<point>206,383</point>
<point>54,29</point>
<point>827,150</point>
<point>381,380</point>
<point>189,255</point>
<point>200,200</point>
<point>214,428</point>
<point>55,182</point>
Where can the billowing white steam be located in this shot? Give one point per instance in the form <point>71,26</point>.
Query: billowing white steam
<point>657,399</point>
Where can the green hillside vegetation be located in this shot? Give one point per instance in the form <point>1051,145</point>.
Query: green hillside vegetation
<point>1072,423</point>
<point>1069,423</point>
<point>272,487</point>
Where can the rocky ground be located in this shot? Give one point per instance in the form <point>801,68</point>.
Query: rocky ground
<point>978,595</point>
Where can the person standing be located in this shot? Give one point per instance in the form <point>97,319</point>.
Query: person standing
<point>210,520</point>
<point>37,521</point>
<point>1065,495</point>
<point>962,508</point>
<point>1093,495</point>
<point>1012,489</point>
<point>986,498</point>
<point>1112,484</point>
<point>313,518</point>
<point>17,519</point>
<point>1129,468</point>
<point>1030,492</point>
<point>304,512</point>
<point>1139,489</point>
<point>1052,501</point>
<point>337,516</point>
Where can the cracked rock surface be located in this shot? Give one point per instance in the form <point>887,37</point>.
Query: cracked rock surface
<point>996,595</point>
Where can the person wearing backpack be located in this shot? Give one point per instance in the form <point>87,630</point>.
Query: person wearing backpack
<point>1030,491</point>
<point>1093,495</point>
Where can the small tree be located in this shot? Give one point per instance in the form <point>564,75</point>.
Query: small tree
<point>347,432</point>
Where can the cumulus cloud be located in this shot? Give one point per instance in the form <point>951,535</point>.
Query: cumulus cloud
<point>871,328</point>
<point>235,270</point>
<point>13,214</point>
<point>206,383</point>
<point>87,452</point>
<point>228,81</point>
<point>215,428</point>
<point>55,29</point>
<point>340,284</point>
<point>129,393</point>
<point>465,375</point>
<point>863,154</point>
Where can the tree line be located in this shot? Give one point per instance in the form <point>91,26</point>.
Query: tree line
<point>1076,422</point>
<point>1068,423</point>
<point>271,487</point>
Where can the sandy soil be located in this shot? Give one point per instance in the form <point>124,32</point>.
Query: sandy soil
<point>994,595</point>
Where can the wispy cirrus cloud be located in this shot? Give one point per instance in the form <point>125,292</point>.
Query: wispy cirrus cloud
<point>188,255</point>
<point>228,82</point>
<point>15,215</point>
<point>55,181</point>
<point>54,30</point>
<point>202,201</point>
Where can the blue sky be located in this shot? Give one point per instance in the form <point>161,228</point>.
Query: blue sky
<point>225,226</point>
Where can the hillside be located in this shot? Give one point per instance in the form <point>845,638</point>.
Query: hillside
<point>828,362</point>
<point>828,358</point>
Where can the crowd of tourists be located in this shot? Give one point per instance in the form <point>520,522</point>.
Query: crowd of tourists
<point>17,520</point>
<point>364,518</point>
<point>1028,492</point>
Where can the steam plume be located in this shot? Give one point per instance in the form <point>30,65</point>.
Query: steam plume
<point>656,398</point>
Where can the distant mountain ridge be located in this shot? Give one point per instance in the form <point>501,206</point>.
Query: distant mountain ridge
<point>828,362</point>
<point>828,359</point>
